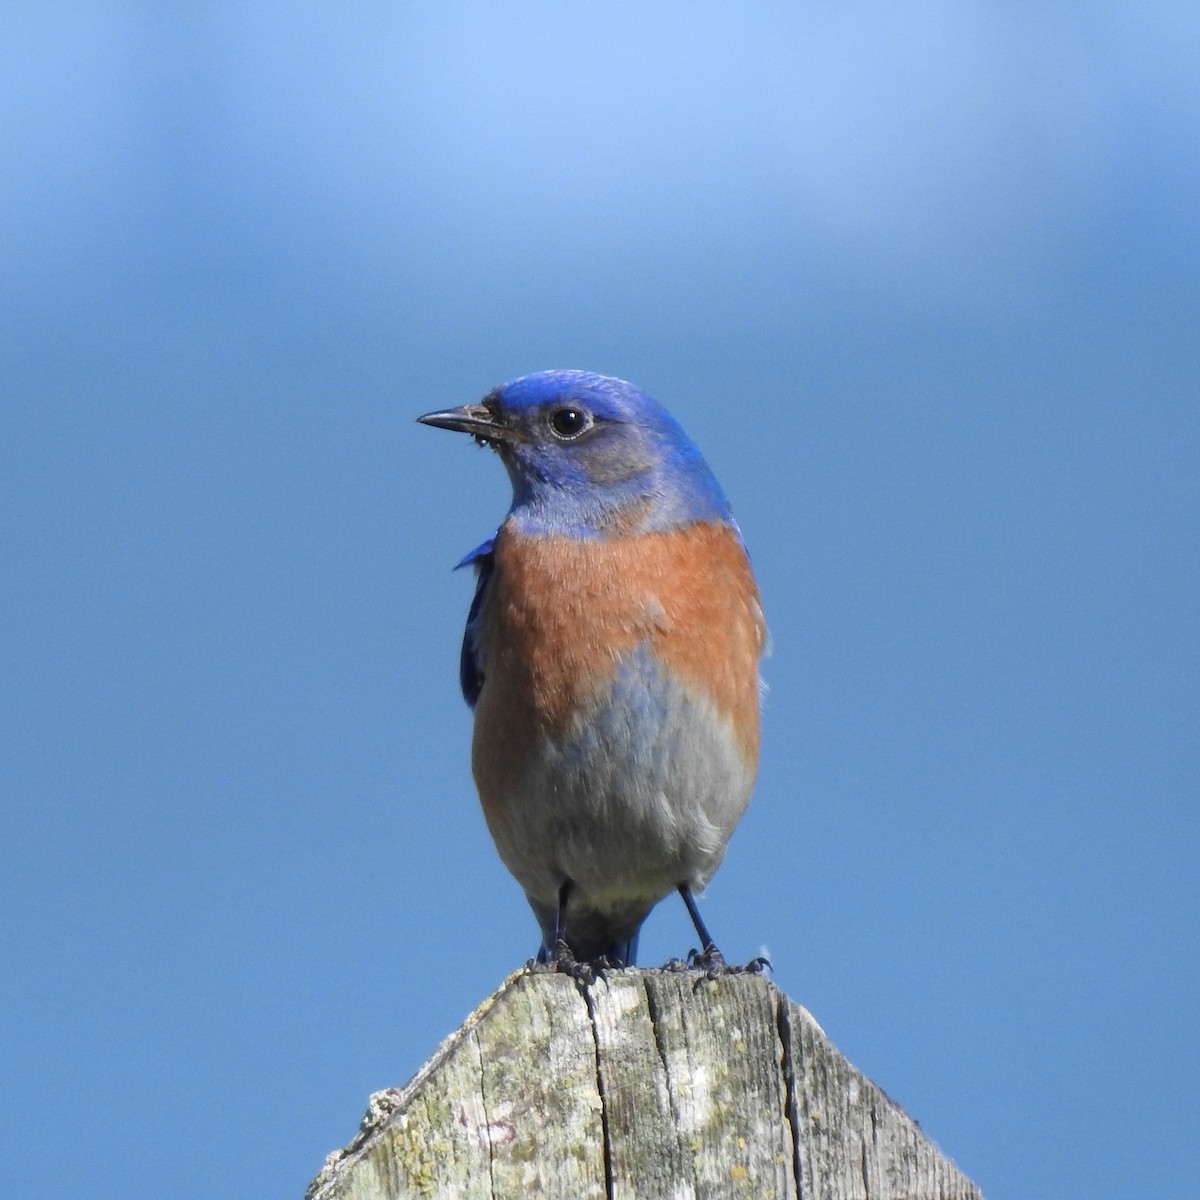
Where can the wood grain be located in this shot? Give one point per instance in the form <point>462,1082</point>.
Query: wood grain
<point>651,1085</point>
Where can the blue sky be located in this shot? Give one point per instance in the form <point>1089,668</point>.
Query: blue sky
<point>923,283</point>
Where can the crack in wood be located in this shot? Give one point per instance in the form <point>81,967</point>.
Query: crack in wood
<point>604,1126</point>
<point>487,1118</point>
<point>670,1083</point>
<point>789,1066</point>
<point>653,1011</point>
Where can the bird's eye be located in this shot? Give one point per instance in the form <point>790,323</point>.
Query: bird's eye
<point>567,423</point>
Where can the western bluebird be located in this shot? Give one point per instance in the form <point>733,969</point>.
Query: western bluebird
<point>611,657</point>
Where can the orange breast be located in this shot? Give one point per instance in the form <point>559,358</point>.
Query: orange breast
<point>560,613</point>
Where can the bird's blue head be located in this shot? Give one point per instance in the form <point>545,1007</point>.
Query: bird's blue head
<point>590,456</point>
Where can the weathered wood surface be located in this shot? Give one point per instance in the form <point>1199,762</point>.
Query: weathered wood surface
<point>649,1085</point>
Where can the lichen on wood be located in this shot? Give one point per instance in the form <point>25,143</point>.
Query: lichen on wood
<point>647,1084</point>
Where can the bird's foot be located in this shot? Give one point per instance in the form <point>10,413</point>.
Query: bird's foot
<point>713,965</point>
<point>562,961</point>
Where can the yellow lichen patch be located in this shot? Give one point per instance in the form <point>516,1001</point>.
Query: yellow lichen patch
<point>417,1158</point>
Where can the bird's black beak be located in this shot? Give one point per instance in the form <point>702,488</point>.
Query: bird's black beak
<point>476,419</point>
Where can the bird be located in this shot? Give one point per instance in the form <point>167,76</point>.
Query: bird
<point>611,656</point>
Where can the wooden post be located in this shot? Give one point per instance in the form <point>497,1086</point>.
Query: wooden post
<point>650,1085</point>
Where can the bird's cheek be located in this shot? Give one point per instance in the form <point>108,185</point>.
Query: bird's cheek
<point>607,463</point>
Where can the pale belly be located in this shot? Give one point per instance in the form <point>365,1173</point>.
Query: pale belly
<point>637,794</point>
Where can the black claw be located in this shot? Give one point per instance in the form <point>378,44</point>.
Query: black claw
<point>711,964</point>
<point>562,961</point>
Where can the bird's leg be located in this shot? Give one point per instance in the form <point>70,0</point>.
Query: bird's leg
<point>559,957</point>
<point>558,943</point>
<point>709,959</point>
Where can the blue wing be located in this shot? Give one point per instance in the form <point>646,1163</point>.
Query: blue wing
<point>470,663</point>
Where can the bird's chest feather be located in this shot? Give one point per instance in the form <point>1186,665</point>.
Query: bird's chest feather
<point>563,618</point>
